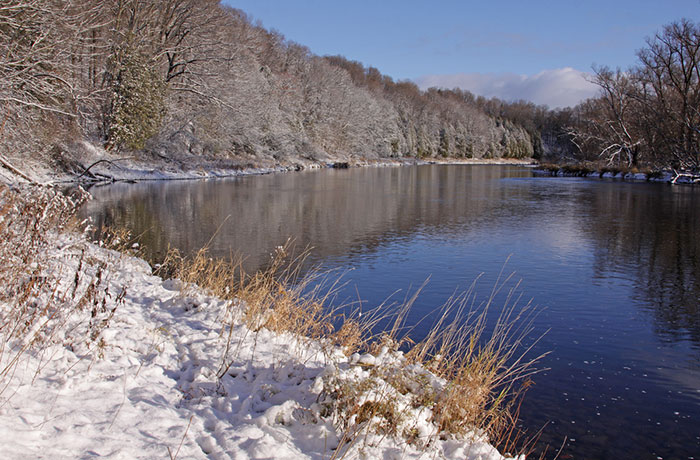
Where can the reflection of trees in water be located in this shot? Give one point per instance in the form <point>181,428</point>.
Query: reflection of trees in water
<point>338,212</point>
<point>651,232</point>
<point>646,231</point>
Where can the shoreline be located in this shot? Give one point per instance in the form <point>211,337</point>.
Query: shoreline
<point>136,176</point>
<point>633,175</point>
<point>102,167</point>
<point>134,365</point>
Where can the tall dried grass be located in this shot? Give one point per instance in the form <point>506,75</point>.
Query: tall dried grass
<point>480,354</point>
<point>486,361</point>
<point>40,296</point>
<point>279,297</point>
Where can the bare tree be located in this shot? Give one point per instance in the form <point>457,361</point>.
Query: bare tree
<point>611,126</point>
<point>199,78</point>
<point>37,91</point>
<point>670,75</point>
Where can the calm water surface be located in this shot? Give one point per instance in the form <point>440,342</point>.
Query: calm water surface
<point>614,268</point>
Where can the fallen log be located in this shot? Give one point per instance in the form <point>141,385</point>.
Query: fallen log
<point>111,162</point>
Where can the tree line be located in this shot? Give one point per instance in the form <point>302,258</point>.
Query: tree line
<point>645,116</point>
<point>650,113</point>
<point>194,78</point>
<point>188,78</point>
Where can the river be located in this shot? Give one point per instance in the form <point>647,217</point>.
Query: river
<point>613,267</point>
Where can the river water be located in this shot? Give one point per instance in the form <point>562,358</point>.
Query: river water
<point>613,267</point>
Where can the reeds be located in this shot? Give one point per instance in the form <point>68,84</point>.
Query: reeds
<point>483,366</point>
<point>277,298</point>
<point>483,356</point>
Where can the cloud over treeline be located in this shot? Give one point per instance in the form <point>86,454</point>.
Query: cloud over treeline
<point>556,88</point>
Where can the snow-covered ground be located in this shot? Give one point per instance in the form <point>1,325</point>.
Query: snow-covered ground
<point>161,376</point>
<point>92,163</point>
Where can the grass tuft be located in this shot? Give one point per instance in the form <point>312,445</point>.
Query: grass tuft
<point>482,366</point>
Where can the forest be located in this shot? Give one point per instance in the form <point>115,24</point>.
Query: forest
<point>190,79</point>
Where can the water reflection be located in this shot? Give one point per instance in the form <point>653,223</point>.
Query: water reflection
<point>335,211</point>
<point>616,266</point>
<point>650,233</point>
<point>645,232</point>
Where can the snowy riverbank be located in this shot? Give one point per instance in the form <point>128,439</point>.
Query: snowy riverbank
<point>142,367</point>
<point>626,174</point>
<point>87,163</point>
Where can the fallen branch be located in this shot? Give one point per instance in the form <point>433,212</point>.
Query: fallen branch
<point>111,162</point>
<point>9,166</point>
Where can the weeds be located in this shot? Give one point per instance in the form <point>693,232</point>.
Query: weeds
<point>276,298</point>
<point>486,367</point>
<point>120,240</point>
<point>45,301</point>
<point>467,374</point>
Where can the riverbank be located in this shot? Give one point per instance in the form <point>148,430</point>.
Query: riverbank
<point>623,173</point>
<point>90,164</point>
<point>101,357</point>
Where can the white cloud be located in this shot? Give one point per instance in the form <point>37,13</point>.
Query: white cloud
<point>555,88</point>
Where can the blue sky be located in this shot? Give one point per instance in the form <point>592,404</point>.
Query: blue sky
<point>537,50</point>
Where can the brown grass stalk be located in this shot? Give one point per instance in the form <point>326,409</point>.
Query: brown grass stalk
<point>46,301</point>
<point>484,362</point>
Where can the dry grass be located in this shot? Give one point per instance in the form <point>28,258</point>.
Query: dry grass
<point>120,240</point>
<point>287,296</point>
<point>484,366</point>
<point>45,301</point>
<point>277,298</point>
<point>483,362</point>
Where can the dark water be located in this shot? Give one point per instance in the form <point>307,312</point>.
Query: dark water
<point>613,266</point>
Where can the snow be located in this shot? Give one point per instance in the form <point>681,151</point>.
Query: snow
<point>158,383</point>
<point>106,166</point>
